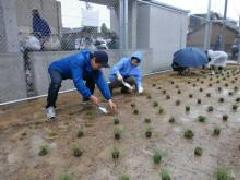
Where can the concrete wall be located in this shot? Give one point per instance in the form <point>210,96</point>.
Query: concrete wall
<point>9,41</point>
<point>163,30</point>
<point>41,60</point>
<point>12,79</point>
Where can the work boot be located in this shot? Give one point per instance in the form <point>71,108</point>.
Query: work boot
<point>51,113</point>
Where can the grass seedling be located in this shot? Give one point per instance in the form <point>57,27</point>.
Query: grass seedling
<point>77,151</point>
<point>235,88</point>
<point>157,157</point>
<point>190,95</point>
<point>171,120</point>
<point>178,102</point>
<point>199,101</point>
<point>225,117</point>
<point>133,105</point>
<point>153,85</point>
<point>147,120</point>
<point>167,97</point>
<point>155,104</point>
<point>200,89</point>
<point>221,100</point>
<point>65,177</point>
<point>188,134</point>
<point>117,133</point>
<point>115,153</point>
<point>238,99</point>
<point>160,110</point>
<point>179,92</point>
<point>216,131</point>
<point>165,175</point>
<point>43,150</point>
<point>135,111</point>
<point>208,95</point>
<point>116,121</point>
<point>222,174</point>
<point>124,177</point>
<point>209,109</point>
<point>219,89</point>
<point>235,107</point>
<point>148,132</point>
<point>149,96</point>
<point>172,82</point>
<point>201,119</point>
<point>187,108</point>
<point>198,151</point>
<point>80,133</point>
<point>210,85</point>
<point>226,84</point>
<point>230,93</point>
<point>164,91</point>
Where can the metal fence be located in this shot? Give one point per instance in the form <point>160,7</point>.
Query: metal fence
<point>33,33</point>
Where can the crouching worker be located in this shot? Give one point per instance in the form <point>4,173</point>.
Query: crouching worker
<point>127,72</point>
<point>84,69</point>
<point>217,60</point>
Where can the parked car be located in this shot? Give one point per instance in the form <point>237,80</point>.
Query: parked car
<point>101,44</point>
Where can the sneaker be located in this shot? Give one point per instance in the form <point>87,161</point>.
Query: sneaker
<point>51,113</point>
<point>86,102</point>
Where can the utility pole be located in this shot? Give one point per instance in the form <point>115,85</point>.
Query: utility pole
<point>224,23</point>
<point>238,40</point>
<point>207,37</point>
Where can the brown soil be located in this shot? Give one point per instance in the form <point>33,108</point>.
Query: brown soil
<point>23,129</point>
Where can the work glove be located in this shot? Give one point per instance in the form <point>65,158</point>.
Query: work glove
<point>119,77</point>
<point>140,90</point>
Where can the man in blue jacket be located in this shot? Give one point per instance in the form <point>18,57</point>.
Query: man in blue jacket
<point>127,70</point>
<point>84,66</point>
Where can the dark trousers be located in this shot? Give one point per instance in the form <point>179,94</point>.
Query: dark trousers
<point>55,84</point>
<point>116,84</point>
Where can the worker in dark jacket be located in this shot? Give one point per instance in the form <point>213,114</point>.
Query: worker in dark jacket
<point>83,66</point>
<point>41,29</point>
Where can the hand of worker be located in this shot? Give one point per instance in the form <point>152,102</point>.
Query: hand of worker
<point>119,77</point>
<point>94,100</point>
<point>112,105</point>
<point>140,90</point>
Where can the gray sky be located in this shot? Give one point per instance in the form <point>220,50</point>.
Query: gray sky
<point>71,9</point>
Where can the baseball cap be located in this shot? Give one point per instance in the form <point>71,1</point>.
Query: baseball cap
<point>101,58</point>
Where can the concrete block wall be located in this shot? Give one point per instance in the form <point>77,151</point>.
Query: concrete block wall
<point>12,77</point>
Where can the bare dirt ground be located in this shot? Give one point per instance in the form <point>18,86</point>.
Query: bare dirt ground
<point>23,129</point>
